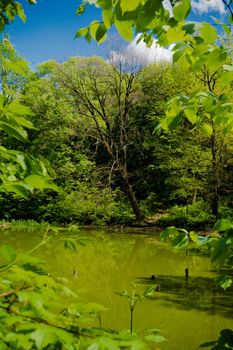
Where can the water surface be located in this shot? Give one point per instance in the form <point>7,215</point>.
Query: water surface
<point>187,314</point>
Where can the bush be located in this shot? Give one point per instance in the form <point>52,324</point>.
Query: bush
<point>194,216</point>
<point>87,205</point>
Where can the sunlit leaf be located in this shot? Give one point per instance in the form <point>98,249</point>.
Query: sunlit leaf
<point>8,252</point>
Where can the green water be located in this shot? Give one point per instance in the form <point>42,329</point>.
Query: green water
<point>187,314</point>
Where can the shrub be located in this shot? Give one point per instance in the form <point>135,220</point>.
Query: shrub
<point>194,216</point>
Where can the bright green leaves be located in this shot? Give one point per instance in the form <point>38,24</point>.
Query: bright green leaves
<point>107,16</point>
<point>133,297</point>
<point>206,129</point>
<point>181,9</point>
<point>12,120</point>
<point>223,225</point>
<point>225,76</point>
<point>18,67</point>
<point>96,31</point>
<point>18,188</point>
<point>10,9</point>
<point>15,166</point>
<point>40,182</point>
<point>130,17</point>
<point>128,6</point>
<point>219,246</point>
<point>179,237</point>
<point>83,32</point>
<point>203,109</point>
<point>191,115</point>
<point>208,33</point>
<point>125,29</point>
<point>44,336</point>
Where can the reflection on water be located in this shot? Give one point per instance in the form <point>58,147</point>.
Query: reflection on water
<point>187,312</point>
<point>197,293</point>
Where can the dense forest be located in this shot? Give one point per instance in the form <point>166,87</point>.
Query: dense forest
<point>92,145</point>
<point>98,124</point>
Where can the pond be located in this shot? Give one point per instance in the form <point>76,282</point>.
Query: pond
<point>187,313</point>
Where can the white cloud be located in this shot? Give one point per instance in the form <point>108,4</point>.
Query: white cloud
<point>203,6</point>
<point>167,5</point>
<point>155,53</point>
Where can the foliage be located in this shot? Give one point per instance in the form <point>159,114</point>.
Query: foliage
<point>133,298</point>
<point>9,10</point>
<point>192,216</point>
<point>20,173</point>
<point>197,47</point>
<point>31,312</point>
<point>220,245</point>
<point>85,205</point>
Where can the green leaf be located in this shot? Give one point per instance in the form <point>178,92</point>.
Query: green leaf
<point>180,241</point>
<point>20,12</point>
<point>94,27</point>
<point>40,182</point>
<point>80,10</point>
<point>123,293</point>
<point>155,338</point>
<point>206,129</point>
<point>178,54</point>
<point>181,9</point>
<point>223,225</point>
<point>191,115</point>
<point>24,122</point>
<point>197,239</point>
<point>168,233</point>
<point>226,78</point>
<point>125,29</point>
<point>20,189</point>
<point>224,281</point>
<point>8,252</point>
<point>19,67</point>
<point>100,35</point>
<point>43,336</point>
<point>208,33</point>
<point>220,252</point>
<point>105,4</point>
<point>107,16</point>
<point>127,6</point>
<point>82,32</point>
<point>14,131</point>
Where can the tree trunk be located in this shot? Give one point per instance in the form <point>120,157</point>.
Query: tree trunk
<point>127,189</point>
<point>215,175</point>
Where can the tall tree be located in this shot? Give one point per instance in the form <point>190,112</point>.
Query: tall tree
<point>103,95</point>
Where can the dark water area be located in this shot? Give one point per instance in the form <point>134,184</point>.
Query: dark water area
<point>188,312</point>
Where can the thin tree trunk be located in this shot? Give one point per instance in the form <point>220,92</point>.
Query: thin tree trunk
<point>127,188</point>
<point>215,175</point>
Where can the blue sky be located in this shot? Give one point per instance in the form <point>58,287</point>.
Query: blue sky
<point>51,26</point>
<point>49,31</point>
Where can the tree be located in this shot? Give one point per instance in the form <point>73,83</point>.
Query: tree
<point>103,96</point>
<point>20,172</point>
<point>9,9</point>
